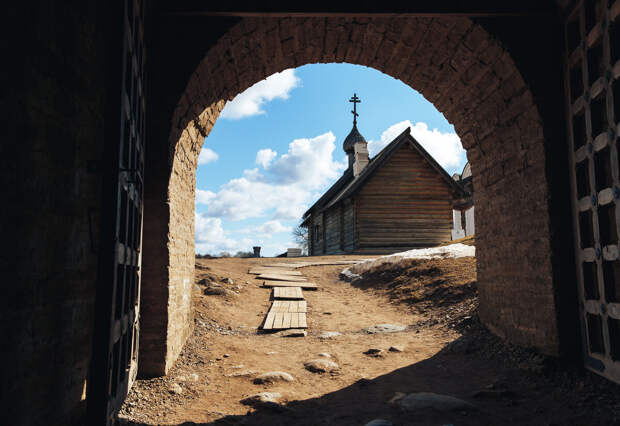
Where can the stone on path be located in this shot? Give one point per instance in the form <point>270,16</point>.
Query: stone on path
<point>214,289</point>
<point>175,388</point>
<point>397,348</point>
<point>329,334</point>
<point>385,328</point>
<point>321,365</point>
<point>244,373</point>
<point>273,377</point>
<point>292,332</point>
<point>379,422</point>
<point>422,400</point>
<point>325,355</point>
<point>376,352</point>
<point>262,398</point>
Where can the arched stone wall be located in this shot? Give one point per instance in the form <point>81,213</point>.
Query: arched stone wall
<point>466,74</point>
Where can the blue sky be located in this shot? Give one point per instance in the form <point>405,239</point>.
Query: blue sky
<point>278,146</point>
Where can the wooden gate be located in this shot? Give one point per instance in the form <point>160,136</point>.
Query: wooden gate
<point>115,357</point>
<point>592,81</point>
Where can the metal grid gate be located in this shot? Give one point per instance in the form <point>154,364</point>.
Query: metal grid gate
<point>115,357</point>
<point>592,81</point>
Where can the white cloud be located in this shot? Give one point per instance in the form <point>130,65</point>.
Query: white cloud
<point>207,156</point>
<point>251,101</point>
<point>287,185</point>
<point>211,238</point>
<point>308,163</point>
<point>245,198</point>
<point>203,197</point>
<point>267,229</point>
<point>445,148</point>
<point>265,156</point>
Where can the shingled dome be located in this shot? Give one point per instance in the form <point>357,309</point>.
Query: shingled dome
<point>354,137</point>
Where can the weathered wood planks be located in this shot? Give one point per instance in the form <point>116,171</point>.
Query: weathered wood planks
<point>287,293</point>
<point>303,285</point>
<point>278,277</point>
<point>288,310</point>
<point>284,320</point>
<point>258,271</point>
<point>283,265</point>
<point>288,306</point>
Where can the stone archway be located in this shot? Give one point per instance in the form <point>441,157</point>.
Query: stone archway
<point>458,66</point>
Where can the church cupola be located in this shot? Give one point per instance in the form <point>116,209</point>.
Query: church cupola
<point>354,144</point>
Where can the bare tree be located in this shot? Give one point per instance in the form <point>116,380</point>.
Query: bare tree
<point>300,235</point>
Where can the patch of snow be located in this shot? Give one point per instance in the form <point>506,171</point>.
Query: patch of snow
<point>347,275</point>
<point>449,251</point>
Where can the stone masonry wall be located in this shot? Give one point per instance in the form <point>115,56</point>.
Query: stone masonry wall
<point>50,176</point>
<point>470,78</point>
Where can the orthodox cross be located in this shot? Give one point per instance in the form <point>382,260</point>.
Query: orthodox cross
<point>355,101</point>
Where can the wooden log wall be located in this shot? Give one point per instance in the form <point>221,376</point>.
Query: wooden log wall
<point>349,226</point>
<point>317,239</point>
<point>332,230</point>
<point>406,203</point>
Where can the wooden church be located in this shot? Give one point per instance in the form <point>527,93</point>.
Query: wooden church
<point>398,200</point>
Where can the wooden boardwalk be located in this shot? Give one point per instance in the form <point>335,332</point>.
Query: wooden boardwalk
<point>305,286</point>
<point>289,308</point>
<point>284,320</point>
<point>279,277</point>
<point>287,293</point>
<point>278,271</point>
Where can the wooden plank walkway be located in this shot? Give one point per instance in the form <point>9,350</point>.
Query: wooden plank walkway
<point>288,306</point>
<point>284,320</point>
<point>284,265</point>
<point>289,309</point>
<point>277,277</point>
<point>258,271</point>
<point>295,265</point>
<point>287,293</point>
<point>303,285</point>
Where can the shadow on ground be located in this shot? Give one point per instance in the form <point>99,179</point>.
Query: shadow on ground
<point>507,385</point>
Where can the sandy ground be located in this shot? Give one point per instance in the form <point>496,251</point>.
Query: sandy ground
<point>227,351</point>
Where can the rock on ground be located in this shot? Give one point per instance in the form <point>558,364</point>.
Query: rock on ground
<point>214,289</point>
<point>385,328</point>
<point>245,373</point>
<point>422,400</point>
<point>325,355</point>
<point>321,365</point>
<point>376,352</point>
<point>175,388</point>
<point>262,398</point>
<point>329,334</point>
<point>397,348</point>
<point>273,377</point>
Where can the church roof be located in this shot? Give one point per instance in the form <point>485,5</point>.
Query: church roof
<point>352,138</point>
<point>347,185</point>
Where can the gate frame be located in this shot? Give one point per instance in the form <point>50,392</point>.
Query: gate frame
<point>597,310</point>
<point>116,336</point>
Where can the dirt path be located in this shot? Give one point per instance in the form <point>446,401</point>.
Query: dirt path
<point>226,352</point>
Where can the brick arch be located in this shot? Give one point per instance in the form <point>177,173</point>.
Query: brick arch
<point>459,67</point>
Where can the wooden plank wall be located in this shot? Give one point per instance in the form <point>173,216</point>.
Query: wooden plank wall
<point>317,244</point>
<point>332,230</point>
<point>349,227</point>
<point>406,203</point>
